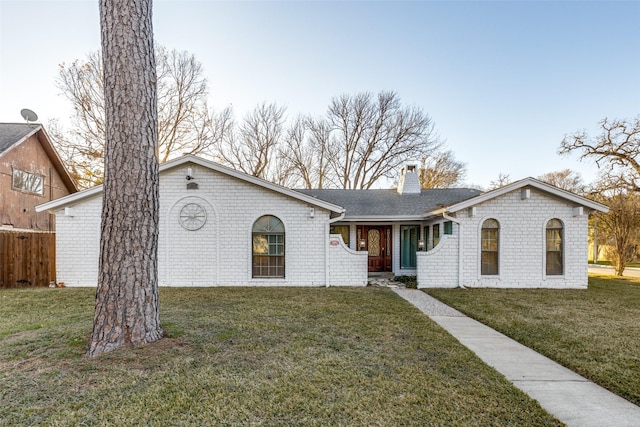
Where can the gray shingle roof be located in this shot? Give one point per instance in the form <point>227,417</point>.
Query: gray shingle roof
<point>10,133</point>
<point>389,203</point>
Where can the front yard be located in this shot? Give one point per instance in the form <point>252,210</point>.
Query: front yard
<point>595,333</point>
<point>238,356</point>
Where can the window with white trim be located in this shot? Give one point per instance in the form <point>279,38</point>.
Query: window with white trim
<point>27,182</point>
<point>489,247</point>
<point>268,247</point>
<point>342,230</point>
<point>554,247</point>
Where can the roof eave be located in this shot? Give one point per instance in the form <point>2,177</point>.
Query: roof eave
<point>384,218</point>
<point>51,151</point>
<point>57,204</point>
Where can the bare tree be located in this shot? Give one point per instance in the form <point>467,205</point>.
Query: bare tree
<point>565,179</point>
<point>298,155</point>
<point>620,226</point>
<point>616,150</point>
<point>372,137</point>
<point>126,310</point>
<point>502,180</point>
<point>83,161</point>
<point>305,153</point>
<point>185,121</point>
<point>252,147</point>
<point>441,170</point>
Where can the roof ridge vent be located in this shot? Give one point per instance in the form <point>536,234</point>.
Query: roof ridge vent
<point>409,182</point>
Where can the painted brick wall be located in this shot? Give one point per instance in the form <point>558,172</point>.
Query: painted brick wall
<point>522,240</point>
<point>348,267</point>
<point>438,268</point>
<point>78,243</point>
<point>219,253</point>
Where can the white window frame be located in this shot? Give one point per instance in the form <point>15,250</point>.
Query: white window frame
<point>32,183</point>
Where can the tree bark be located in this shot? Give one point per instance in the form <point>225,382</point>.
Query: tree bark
<point>126,310</point>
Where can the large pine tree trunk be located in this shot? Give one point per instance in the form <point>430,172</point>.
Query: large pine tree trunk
<point>127,296</point>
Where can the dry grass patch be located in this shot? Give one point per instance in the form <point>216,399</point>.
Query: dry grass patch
<point>254,356</point>
<point>593,332</point>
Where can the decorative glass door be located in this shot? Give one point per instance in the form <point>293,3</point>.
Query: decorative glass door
<point>378,243</point>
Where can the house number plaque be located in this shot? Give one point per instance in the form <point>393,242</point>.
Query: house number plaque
<point>192,216</point>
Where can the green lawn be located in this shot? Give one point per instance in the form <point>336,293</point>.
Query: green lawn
<point>258,356</point>
<point>594,332</point>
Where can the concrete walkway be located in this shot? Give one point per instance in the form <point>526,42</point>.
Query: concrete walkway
<point>572,399</point>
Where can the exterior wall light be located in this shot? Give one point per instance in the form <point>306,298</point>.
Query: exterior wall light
<point>421,245</point>
<point>189,174</point>
<point>362,243</point>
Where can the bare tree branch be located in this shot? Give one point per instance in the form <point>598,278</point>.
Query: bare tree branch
<point>621,225</point>
<point>185,122</point>
<point>565,179</point>
<point>371,138</point>
<point>441,170</point>
<point>253,146</point>
<point>502,180</point>
<point>616,150</point>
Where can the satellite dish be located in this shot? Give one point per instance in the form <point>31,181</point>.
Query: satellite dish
<point>28,115</point>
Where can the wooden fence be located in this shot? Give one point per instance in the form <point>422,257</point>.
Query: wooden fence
<point>27,259</point>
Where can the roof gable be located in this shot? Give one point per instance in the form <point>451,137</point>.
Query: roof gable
<point>184,160</point>
<point>14,134</point>
<point>525,183</point>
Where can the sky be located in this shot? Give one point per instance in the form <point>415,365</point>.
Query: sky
<point>503,81</point>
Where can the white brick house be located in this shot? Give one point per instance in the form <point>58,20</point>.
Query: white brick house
<point>220,227</point>
<point>527,234</point>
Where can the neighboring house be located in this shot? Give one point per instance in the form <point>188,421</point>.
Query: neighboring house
<point>221,227</point>
<point>31,173</point>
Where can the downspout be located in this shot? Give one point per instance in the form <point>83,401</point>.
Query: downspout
<point>326,245</point>
<point>460,252</point>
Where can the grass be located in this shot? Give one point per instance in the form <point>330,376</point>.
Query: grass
<point>593,332</point>
<point>259,356</point>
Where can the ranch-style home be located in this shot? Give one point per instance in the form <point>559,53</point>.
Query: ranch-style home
<point>220,227</point>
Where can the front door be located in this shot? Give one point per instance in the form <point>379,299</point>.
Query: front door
<point>377,240</point>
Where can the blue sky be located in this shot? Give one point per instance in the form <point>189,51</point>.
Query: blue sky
<point>503,81</point>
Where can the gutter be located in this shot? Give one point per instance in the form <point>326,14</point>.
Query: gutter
<point>460,250</point>
<point>326,245</point>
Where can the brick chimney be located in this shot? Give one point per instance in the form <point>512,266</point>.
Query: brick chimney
<point>409,182</point>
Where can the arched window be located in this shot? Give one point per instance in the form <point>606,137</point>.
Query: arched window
<point>268,247</point>
<point>489,247</point>
<point>554,248</point>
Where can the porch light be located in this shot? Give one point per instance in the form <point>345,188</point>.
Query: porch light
<point>421,245</point>
<point>362,243</point>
